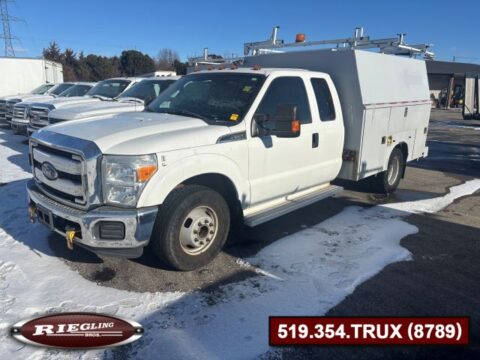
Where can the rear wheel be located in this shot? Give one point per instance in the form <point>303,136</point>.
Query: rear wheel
<point>191,227</point>
<point>387,181</point>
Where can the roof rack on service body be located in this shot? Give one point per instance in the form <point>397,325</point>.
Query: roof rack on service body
<point>394,45</point>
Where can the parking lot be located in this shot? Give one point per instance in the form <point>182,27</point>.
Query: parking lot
<point>412,253</point>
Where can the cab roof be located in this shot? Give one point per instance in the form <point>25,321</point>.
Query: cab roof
<point>249,70</point>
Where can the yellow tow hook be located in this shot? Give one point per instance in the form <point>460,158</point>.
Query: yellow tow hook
<point>32,212</point>
<point>70,235</point>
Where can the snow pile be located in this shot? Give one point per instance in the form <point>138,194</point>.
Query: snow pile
<point>306,273</point>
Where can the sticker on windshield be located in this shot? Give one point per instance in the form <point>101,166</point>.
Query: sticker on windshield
<point>247,88</point>
<point>234,117</point>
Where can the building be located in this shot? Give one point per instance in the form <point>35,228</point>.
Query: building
<point>447,81</point>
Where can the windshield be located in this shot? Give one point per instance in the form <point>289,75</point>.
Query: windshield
<point>58,89</point>
<point>147,90</point>
<point>212,97</point>
<point>109,88</point>
<point>76,90</point>
<point>42,89</point>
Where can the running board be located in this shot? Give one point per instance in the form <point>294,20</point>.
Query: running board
<point>290,204</point>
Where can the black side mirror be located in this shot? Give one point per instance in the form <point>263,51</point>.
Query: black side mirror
<point>286,123</point>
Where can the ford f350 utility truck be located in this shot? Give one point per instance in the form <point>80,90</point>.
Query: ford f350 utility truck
<point>133,99</point>
<point>21,111</point>
<point>103,91</point>
<point>227,146</point>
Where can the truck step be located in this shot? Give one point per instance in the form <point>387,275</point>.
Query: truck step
<point>289,204</point>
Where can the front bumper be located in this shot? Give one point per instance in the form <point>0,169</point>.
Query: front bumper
<point>20,125</point>
<point>138,224</point>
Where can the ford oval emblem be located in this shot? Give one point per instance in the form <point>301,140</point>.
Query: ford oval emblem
<point>77,331</point>
<point>49,171</point>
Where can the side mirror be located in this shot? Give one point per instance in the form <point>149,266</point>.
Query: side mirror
<point>286,123</point>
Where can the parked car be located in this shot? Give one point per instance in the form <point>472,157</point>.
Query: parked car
<point>133,99</point>
<point>226,147</point>
<point>20,116</point>
<point>106,90</point>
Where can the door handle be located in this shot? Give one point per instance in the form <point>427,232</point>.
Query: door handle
<point>315,140</point>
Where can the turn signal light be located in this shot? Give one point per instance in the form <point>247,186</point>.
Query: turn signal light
<point>295,126</point>
<point>144,173</point>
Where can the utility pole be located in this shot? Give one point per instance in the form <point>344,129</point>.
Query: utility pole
<point>6,36</point>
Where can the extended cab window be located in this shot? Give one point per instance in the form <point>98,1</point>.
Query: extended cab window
<point>284,90</point>
<point>324,99</point>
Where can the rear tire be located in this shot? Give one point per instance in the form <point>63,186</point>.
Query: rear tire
<point>191,228</point>
<point>387,181</point>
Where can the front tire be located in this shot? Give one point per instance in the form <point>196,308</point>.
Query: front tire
<point>191,228</point>
<point>387,181</point>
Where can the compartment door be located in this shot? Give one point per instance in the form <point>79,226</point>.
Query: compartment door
<point>374,142</point>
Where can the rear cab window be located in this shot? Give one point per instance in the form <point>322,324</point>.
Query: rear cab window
<point>324,99</point>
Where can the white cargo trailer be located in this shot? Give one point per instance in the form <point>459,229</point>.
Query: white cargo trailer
<point>22,75</point>
<point>385,100</point>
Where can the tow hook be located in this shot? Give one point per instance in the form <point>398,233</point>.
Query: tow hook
<point>32,213</point>
<point>70,235</point>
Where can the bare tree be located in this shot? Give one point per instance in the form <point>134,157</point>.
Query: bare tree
<point>166,59</point>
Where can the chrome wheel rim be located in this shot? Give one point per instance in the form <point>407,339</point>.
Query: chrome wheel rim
<point>393,171</point>
<point>199,229</point>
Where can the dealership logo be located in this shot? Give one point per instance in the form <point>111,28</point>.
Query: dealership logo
<point>49,171</point>
<point>77,331</point>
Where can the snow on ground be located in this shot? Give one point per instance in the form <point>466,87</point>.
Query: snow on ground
<point>306,273</point>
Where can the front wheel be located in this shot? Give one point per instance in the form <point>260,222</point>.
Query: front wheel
<point>191,227</point>
<point>387,181</point>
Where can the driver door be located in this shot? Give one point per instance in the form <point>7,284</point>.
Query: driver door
<point>282,166</point>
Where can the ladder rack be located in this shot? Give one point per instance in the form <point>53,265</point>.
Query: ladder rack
<point>395,46</point>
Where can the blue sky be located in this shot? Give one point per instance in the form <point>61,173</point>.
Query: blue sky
<point>108,27</point>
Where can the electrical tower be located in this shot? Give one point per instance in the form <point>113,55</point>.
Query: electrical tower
<point>7,36</point>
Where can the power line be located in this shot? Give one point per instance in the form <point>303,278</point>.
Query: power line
<point>7,35</point>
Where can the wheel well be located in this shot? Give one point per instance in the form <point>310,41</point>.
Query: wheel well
<point>404,149</point>
<point>221,184</point>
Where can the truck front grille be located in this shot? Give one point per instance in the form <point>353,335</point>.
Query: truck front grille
<point>9,109</point>
<point>20,111</point>
<point>39,116</point>
<point>68,183</point>
<point>3,109</point>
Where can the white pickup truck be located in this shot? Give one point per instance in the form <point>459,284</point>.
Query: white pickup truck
<point>43,92</point>
<point>105,90</point>
<point>20,116</point>
<point>134,99</point>
<point>227,146</point>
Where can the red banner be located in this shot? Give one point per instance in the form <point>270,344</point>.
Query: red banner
<point>369,330</point>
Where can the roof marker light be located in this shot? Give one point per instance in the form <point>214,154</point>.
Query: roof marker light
<point>300,38</point>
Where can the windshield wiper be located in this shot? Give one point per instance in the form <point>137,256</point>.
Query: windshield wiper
<point>187,113</point>
<point>129,99</point>
<point>101,97</point>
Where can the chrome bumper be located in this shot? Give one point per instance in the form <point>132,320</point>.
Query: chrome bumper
<point>19,125</point>
<point>138,224</point>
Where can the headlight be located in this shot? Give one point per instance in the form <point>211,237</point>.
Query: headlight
<point>124,177</point>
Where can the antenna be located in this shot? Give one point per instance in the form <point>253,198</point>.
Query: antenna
<point>7,36</point>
